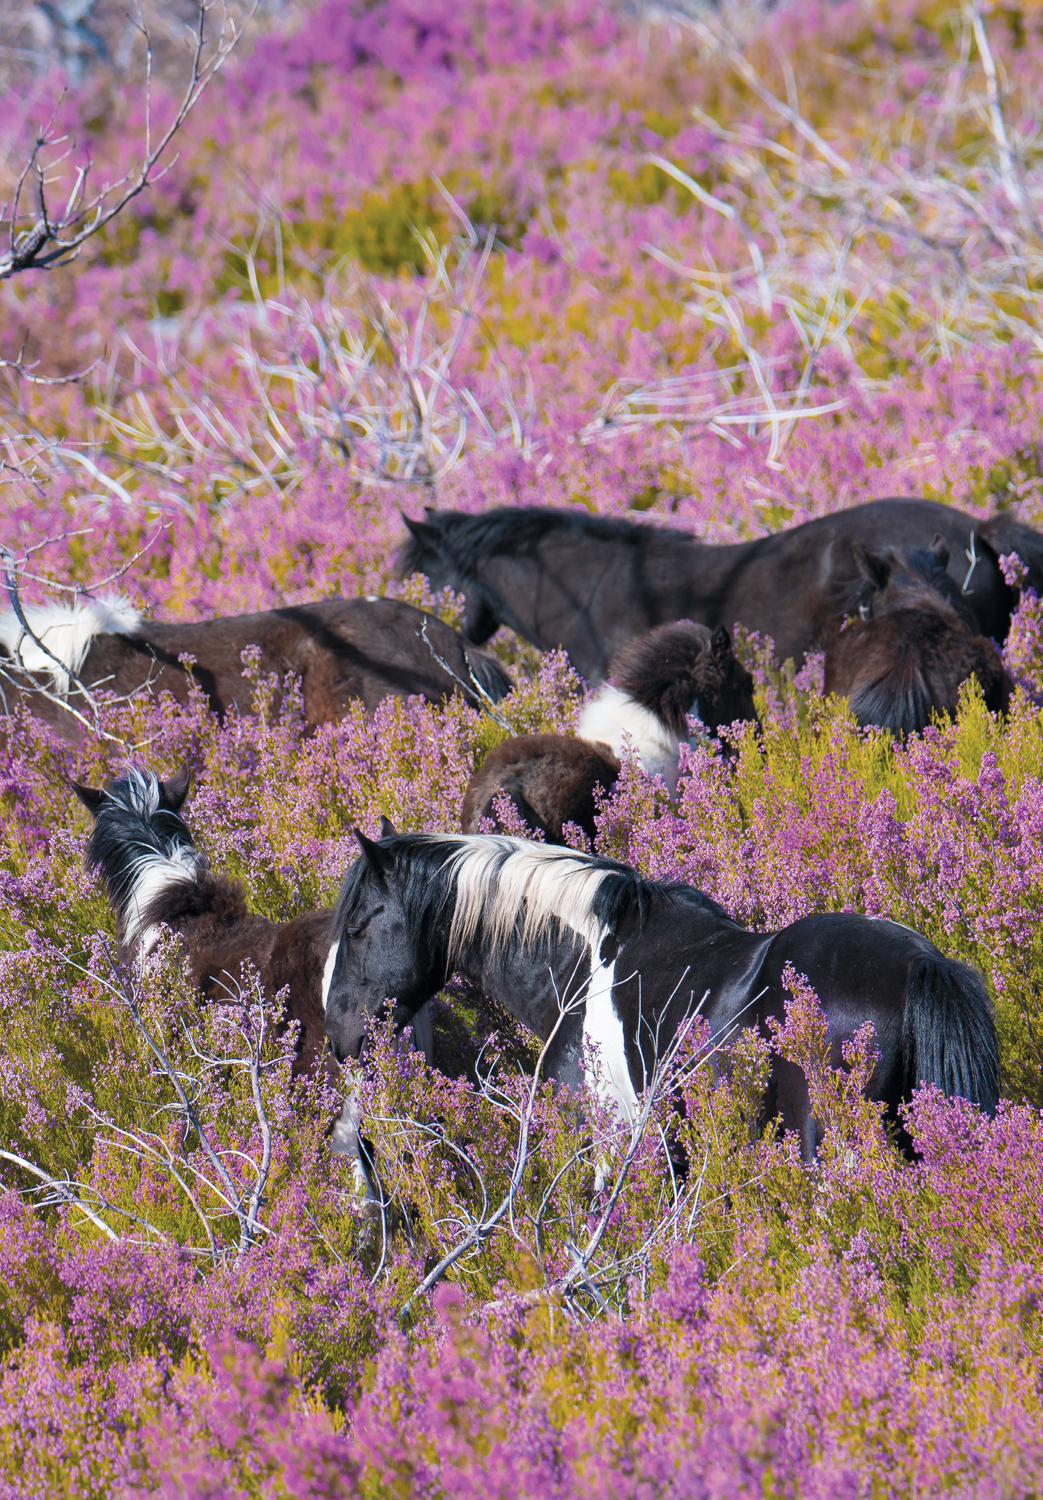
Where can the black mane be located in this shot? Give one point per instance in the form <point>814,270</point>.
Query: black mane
<point>465,540</point>
<point>428,889</point>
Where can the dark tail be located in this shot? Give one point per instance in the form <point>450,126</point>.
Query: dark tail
<point>1003,534</point>
<point>488,674</point>
<point>949,1037</point>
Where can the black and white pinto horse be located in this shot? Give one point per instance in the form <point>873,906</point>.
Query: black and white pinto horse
<point>533,923</point>
<point>342,650</point>
<point>591,583</point>
<point>157,880</point>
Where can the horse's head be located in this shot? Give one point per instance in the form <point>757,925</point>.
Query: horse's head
<point>909,578</point>
<point>427,552</point>
<point>900,667</point>
<point>379,953</point>
<point>685,668</point>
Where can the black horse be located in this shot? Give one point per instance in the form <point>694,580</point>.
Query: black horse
<point>590,584</point>
<point>533,923</point>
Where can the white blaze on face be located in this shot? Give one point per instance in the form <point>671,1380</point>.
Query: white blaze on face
<point>614,719</point>
<point>327,972</point>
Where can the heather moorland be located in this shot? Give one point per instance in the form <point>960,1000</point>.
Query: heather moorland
<point>729,269</point>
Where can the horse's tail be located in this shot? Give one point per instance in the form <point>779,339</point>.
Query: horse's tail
<point>488,674</point>
<point>949,1037</point>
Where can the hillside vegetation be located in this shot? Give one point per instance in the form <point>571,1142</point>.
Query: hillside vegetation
<point>726,270</point>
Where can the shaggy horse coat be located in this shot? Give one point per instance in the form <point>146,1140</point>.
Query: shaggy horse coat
<point>660,680</point>
<point>156,878</point>
<point>604,966</point>
<point>590,584</point>
<point>907,657</point>
<point>342,650</point>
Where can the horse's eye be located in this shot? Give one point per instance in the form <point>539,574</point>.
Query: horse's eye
<point>359,930</point>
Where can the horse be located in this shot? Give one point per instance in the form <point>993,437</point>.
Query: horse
<point>659,681</point>
<point>907,656</point>
<point>591,583</point>
<point>533,924</point>
<point>157,878</point>
<point>341,649</point>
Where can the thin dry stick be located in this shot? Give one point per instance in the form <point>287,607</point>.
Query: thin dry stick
<point>50,241</point>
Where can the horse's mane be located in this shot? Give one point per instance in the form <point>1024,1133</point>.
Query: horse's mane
<point>153,871</point>
<point>666,669</point>
<point>914,660</point>
<point>502,890</point>
<point>465,540</point>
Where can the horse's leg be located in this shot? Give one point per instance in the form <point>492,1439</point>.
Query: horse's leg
<point>424,1033</point>
<point>794,1105</point>
<point>347,1141</point>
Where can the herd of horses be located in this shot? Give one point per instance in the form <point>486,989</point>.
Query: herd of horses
<point>905,597</point>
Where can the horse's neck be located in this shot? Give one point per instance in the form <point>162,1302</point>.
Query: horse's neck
<point>615,719</point>
<point>687,573</point>
<point>532,986</point>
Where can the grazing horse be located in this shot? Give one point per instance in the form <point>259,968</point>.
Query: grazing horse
<point>659,681</point>
<point>590,583</point>
<point>341,649</point>
<point>532,923</point>
<point>908,655</point>
<point>157,878</point>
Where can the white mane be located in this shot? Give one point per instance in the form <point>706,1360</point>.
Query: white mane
<point>614,718</point>
<point>67,632</point>
<point>495,875</point>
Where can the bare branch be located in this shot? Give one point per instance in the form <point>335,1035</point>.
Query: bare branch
<point>40,240</point>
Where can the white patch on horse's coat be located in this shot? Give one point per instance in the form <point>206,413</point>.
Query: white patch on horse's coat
<point>153,874</point>
<point>608,1072</point>
<point>371,598</point>
<point>615,719</point>
<point>327,972</point>
<point>554,886</point>
<point>67,634</point>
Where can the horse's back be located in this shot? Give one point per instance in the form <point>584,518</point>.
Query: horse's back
<point>371,647</point>
<point>549,778</point>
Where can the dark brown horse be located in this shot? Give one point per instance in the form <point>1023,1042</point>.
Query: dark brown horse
<point>658,681</point>
<point>590,584</point>
<point>341,649</point>
<point>157,878</point>
<point>907,657</point>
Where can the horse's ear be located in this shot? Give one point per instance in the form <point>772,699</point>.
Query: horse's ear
<point>91,799</point>
<point>420,530</point>
<point>875,569</point>
<point>378,859</point>
<point>940,549</point>
<point>175,789</point>
<point>721,643</point>
<point>387,828</point>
